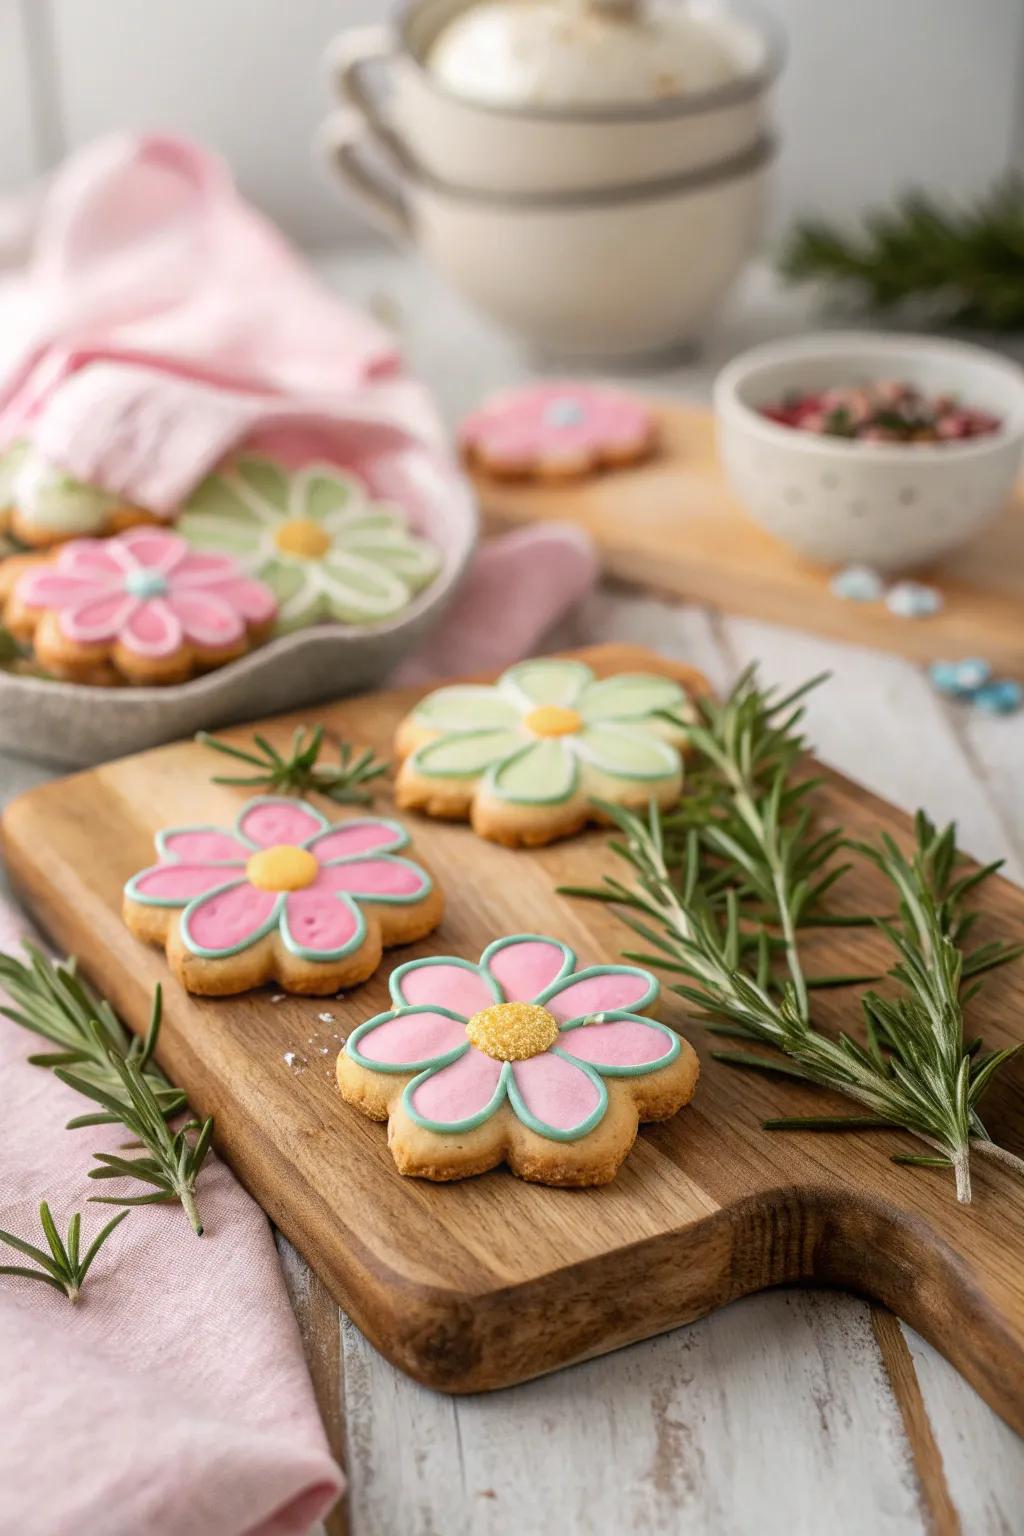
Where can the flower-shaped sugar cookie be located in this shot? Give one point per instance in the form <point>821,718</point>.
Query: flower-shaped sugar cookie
<point>41,505</point>
<point>526,758</point>
<point>521,1059</point>
<point>314,536</point>
<point>140,607</point>
<point>557,431</point>
<point>284,895</point>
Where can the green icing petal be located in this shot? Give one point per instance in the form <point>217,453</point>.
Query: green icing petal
<point>359,592</point>
<point>465,756</point>
<point>629,696</point>
<point>285,578</point>
<point>466,707</point>
<point>217,497</point>
<point>544,773</point>
<point>321,493</point>
<point>239,535</point>
<point>267,480</point>
<point>626,752</point>
<point>547,680</point>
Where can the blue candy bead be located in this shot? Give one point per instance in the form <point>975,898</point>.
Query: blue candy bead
<point>1000,698</point>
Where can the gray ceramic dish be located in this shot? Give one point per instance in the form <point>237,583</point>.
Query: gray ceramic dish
<point>75,725</point>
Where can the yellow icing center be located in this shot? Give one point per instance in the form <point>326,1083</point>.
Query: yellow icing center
<point>553,720</point>
<point>512,1031</point>
<point>282,868</point>
<point>301,536</point>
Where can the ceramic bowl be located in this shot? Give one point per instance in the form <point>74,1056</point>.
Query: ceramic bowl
<point>76,725</point>
<point>888,505</point>
<point>597,275</point>
<point>533,150</point>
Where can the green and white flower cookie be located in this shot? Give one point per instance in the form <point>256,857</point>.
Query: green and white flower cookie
<point>526,759</point>
<point>42,506</point>
<point>314,536</point>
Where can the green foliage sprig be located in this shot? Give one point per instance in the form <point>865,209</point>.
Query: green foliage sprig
<point>723,907</point>
<point>102,1060</point>
<point>958,266</point>
<point>62,1268</point>
<point>346,782</point>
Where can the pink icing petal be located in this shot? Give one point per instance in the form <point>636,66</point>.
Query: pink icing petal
<point>524,969</point>
<point>269,822</point>
<point>196,569</point>
<point>620,1043</point>
<point>556,1091</point>
<point>599,994</point>
<point>253,600</point>
<point>459,1091</point>
<point>461,989</point>
<point>381,877</point>
<point>151,628</point>
<point>351,837</point>
<point>93,557</point>
<point>412,1038</point>
<point>48,588</point>
<point>179,882</point>
<point>204,845</point>
<point>207,620</point>
<point>230,919</point>
<point>99,620</point>
<point>154,549</point>
<point>317,922</point>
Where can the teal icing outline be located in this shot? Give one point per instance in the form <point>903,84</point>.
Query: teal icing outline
<point>592,761</point>
<point>416,760</point>
<point>589,972</point>
<point>322,956</point>
<point>236,949</point>
<point>490,777</point>
<point>398,975</point>
<point>549,1132</point>
<point>509,678</point>
<point>433,1063</point>
<point>618,1016</point>
<point>455,1127</point>
<point>497,945</point>
<point>383,858</point>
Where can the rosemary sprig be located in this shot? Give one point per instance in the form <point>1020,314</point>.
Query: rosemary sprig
<point>53,1001</point>
<point>61,1268</point>
<point>691,906</point>
<point>345,782</point>
<point>105,1062</point>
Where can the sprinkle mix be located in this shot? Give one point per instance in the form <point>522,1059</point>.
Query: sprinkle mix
<point>883,412</point>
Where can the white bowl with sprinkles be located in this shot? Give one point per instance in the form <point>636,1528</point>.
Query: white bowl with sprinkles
<point>888,504</point>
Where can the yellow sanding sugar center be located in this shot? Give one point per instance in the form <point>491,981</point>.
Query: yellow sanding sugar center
<point>553,720</point>
<point>512,1031</point>
<point>301,536</point>
<point>282,868</point>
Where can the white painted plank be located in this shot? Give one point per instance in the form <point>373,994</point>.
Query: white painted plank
<point>753,1421</point>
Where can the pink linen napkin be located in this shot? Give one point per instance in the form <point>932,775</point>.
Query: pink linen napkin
<point>174,1398</point>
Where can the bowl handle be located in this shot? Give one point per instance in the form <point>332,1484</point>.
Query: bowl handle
<point>349,60</point>
<point>368,164</point>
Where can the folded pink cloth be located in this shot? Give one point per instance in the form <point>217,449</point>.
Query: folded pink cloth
<point>158,323</point>
<point>174,1398</point>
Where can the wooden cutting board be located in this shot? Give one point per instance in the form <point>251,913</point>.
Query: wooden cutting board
<point>490,1281</point>
<point>673,525</point>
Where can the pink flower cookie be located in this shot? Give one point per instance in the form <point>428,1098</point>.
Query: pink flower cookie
<point>557,431</point>
<point>284,895</point>
<point>521,1059</point>
<point>141,607</point>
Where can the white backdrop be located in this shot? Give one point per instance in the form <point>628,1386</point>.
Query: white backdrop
<point>877,93</point>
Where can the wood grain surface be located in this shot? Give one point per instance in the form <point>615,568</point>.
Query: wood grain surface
<point>491,1281</point>
<point>673,525</point>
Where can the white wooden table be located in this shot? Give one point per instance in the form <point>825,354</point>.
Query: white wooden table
<point>791,1412</point>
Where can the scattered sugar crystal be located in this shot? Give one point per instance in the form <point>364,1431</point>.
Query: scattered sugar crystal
<point>326,1018</point>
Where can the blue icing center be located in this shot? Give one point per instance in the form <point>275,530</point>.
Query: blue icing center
<point>564,413</point>
<point>145,583</point>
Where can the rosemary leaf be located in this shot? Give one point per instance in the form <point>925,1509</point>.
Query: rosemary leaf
<point>346,782</point>
<point>61,1268</point>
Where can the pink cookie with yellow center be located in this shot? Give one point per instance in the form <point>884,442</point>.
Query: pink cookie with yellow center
<point>141,607</point>
<point>522,1059</point>
<point>283,895</point>
<point>559,430</point>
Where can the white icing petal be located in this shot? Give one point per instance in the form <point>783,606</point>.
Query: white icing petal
<point>466,707</point>
<point>547,680</point>
<point>543,773</point>
<point>629,696</point>
<point>465,756</point>
<point>626,752</point>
